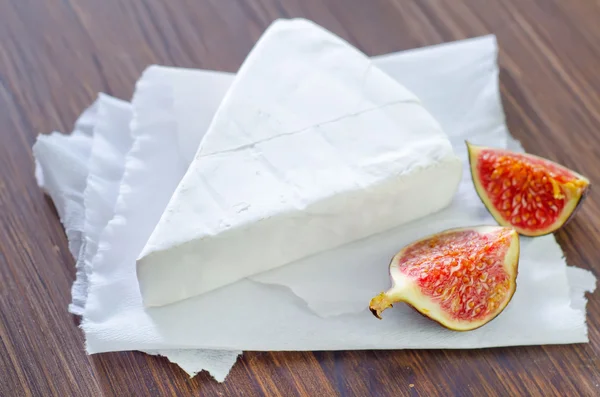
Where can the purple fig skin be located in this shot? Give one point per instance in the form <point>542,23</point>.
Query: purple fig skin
<point>582,198</point>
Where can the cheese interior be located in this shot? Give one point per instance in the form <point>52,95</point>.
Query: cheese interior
<point>312,147</point>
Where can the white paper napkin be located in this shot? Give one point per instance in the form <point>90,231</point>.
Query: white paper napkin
<point>82,173</point>
<point>426,72</point>
<point>61,171</point>
<point>284,315</point>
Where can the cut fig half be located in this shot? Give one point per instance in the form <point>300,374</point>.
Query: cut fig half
<point>533,195</point>
<point>461,278</point>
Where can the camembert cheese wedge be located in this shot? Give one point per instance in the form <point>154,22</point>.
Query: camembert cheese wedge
<point>312,147</point>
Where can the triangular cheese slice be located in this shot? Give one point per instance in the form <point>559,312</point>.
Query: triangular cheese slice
<point>312,147</point>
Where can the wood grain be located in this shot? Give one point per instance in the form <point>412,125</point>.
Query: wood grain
<point>55,55</point>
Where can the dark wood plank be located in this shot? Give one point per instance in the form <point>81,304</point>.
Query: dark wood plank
<point>55,55</point>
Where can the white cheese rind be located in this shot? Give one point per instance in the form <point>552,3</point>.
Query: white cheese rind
<point>313,147</point>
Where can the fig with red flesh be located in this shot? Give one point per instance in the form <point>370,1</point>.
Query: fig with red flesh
<point>533,195</point>
<point>461,278</point>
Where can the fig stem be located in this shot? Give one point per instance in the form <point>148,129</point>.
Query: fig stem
<point>380,303</point>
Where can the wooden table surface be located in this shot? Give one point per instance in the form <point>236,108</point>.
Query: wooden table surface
<point>55,55</point>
